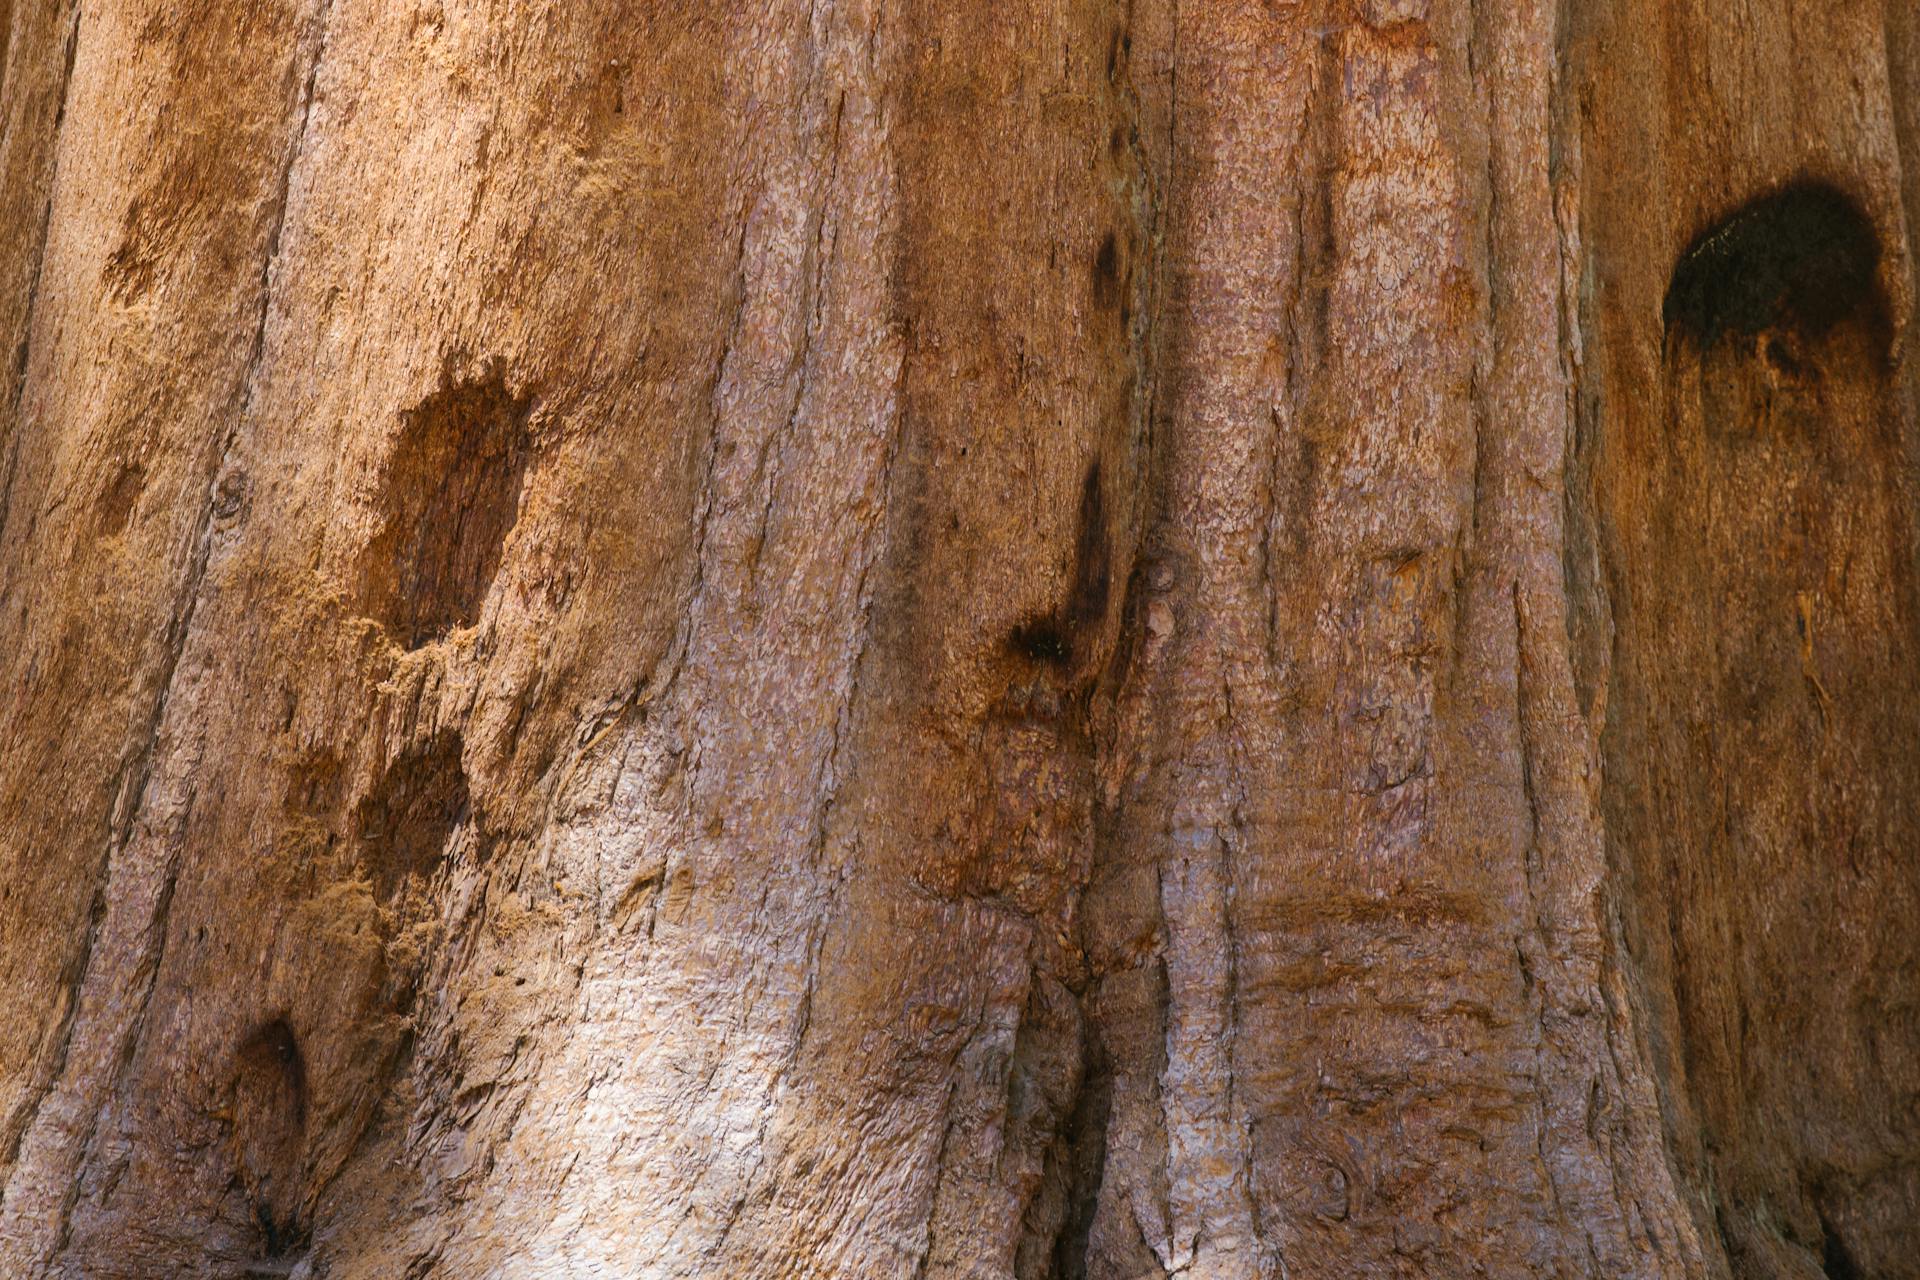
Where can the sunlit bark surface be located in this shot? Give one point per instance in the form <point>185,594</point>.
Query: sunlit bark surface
<point>868,638</point>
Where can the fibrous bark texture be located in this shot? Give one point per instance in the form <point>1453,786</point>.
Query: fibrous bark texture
<point>1054,639</point>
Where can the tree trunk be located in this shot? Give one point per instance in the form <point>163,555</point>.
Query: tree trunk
<point>1260,638</point>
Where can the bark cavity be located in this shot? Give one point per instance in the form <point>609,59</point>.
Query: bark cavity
<point>405,825</point>
<point>449,497</point>
<point>270,1105</point>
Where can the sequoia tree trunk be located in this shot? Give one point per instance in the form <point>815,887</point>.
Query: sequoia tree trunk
<point>866,638</point>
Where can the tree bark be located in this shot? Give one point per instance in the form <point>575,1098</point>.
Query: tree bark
<point>1221,638</point>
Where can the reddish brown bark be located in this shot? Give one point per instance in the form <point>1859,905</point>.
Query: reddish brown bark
<point>1045,640</point>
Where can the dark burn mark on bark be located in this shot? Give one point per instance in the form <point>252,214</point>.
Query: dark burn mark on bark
<point>450,495</point>
<point>1782,359</point>
<point>1042,640</point>
<point>1803,258</point>
<point>1053,638</point>
<point>1092,556</point>
<point>1785,482</point>
<point>1107,284</point>
<point>403,826</point>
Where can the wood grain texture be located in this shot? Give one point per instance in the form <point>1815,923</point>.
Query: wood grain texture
<point>1216,638</point>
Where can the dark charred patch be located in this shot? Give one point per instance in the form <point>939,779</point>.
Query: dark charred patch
<point>1106,273</point>
<point>1042,640</point>
<point>403,826</point>
<point>1092,556</point>
<point>1803,258</point>
<point>449,497</point>
<point>1781,357</point>
<point>1052,638</point>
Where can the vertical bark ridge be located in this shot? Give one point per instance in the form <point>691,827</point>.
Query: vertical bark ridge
<point>21,132</point>
<point>133,922</point>
<point>785,425</point>
<point>141,972</point>
<point>1739,602</point>
<point>1564,944</point>
<point>835,638</point>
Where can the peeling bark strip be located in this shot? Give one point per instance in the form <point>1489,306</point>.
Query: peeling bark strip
<point>893,638</point>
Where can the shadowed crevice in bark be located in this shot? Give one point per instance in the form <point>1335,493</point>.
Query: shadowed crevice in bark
<point>1086,1160</point>
<point>122,1027</point>
<point>1835,1259</point>
<point>270,1107</point>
